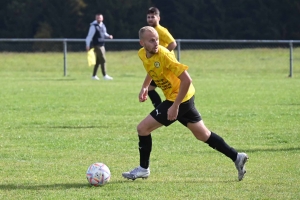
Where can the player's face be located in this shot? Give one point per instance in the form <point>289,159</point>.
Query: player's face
<point>152,20</point>
<point>150,42</point>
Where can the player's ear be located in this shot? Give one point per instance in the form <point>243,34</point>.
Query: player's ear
<point>141,42</point>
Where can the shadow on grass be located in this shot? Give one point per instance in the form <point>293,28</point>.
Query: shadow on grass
<point>270,149</point>
<point>58,186</point>
<point>263,150</point>
<point>63,79</point>
<point>77,127</point>
<point>43,187</point>
<point>51,79</point>
<point>61,186</point>
<point>54,186</point>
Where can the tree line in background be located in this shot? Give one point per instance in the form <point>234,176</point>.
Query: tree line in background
<point>189,19</point>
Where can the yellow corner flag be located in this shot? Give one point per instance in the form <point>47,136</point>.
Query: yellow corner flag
<point>91,57</point>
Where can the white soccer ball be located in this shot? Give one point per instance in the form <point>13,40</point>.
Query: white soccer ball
<point>98,174</point>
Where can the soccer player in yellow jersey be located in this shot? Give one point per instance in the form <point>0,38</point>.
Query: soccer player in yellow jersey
<point>174,80</point>
<point>166,40</point>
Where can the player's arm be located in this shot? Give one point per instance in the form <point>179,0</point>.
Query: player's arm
<point>172,46</point>
<point>144,91</point>
<point>185,83</point>
<point>169,39</point>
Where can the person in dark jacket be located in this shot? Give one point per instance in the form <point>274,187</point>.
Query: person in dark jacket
<point>96,37</point>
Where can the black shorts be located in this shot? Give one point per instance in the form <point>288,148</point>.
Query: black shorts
<point>187,113</point>
<point>153,83</point>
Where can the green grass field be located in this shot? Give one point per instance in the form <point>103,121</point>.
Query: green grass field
<point>53,127</point>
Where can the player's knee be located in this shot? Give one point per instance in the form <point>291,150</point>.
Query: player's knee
<point>141,130</point>
<point>200,132</point>
<point>202,136</point>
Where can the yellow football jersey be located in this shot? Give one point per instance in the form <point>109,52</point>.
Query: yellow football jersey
<point>165,38</point>
<point>164,70</point>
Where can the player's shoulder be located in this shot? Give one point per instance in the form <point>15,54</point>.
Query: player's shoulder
<point>164,52</point>
<point>163,49</point>
<point>142,52</point>
<point>159,28</point>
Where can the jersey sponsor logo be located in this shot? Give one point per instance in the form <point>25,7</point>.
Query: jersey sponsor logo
<point>159,81</point>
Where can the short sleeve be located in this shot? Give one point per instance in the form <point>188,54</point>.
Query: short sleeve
<point>173,65</point>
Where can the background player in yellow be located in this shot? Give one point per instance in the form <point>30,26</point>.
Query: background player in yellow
<point>166,40</point>
<point>174,80</point>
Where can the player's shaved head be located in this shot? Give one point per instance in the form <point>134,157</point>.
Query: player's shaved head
<point>145,29</point>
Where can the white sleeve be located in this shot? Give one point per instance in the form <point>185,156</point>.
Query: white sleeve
<point>90,35</point>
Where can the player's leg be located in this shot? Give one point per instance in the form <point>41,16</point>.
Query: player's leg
<point>202,133</point>
<point>147,125</point>
<point>145,146</point>
<point>194,122</point>
<point>144,130</point>
<point>156,119</point>
<point>153,95</point>
<point>216,142</point>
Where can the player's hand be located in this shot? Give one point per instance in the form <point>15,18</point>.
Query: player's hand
<point>143,96</point>
<point>173,113</point>
<point>87,48</point>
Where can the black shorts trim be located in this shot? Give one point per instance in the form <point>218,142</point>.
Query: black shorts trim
<point>153,83</point>
<point>187,113</point>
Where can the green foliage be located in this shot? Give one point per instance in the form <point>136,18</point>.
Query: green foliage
<point>197,19</point>
<point>65,17</point>
<point>54,127</point>
<point>122,18</point>
<point>17,18</point>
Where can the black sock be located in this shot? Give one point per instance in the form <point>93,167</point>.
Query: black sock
<point>218,143</point>
<point>145,147</point>
<point>155,98</point>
